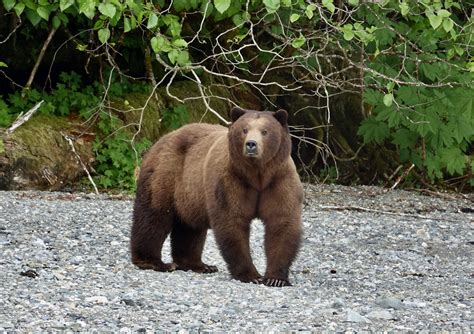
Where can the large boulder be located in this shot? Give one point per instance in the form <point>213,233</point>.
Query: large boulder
<point>37,155</point>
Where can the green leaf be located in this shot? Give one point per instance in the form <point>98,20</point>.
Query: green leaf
<point>181,43</point>
<point>81,47</point>
<point>391,116</point>
<point>272,5</point>
<point>404,8</point>
<point>405,138</point>
<point>56,22</point>
<point>222,5</point>
<point>454,159</point>
<point>238,19</point>
<point>309,11</point>
<point>435,20</point>
<point>32,16</point>
<point>388,99</point>
<point>298,42</point>
<point>183,58</point>
<point>347,31</point>
<point>2,64</point>
<point>173,24</point>
<point>373,131</point>
<point>9,4</point>
<point>353,2</point>
<point>43,13</point>
<point>448,24</point>
<point>99,24</point>
<point>19,7</point>
<point>126,24</point>
<point>65,4</point>
<point>173,56</point>
<point>294,17</point>
<point>286,3</point>
<point>152,21</point>
<point>107,9</point>
<point>160,44</point>
<point>104,35</point>
<point>443,13</point>
<point>2,147</point>
<point>87,7</point>
<point>329,5</point>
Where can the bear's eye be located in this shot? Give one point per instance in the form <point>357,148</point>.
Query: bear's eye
<point>264,132</point>
<point>245,130</point>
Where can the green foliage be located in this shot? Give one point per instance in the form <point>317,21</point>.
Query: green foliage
<point>5,116</point>
<point>425,106</point>
<point>416,59</point>
<point>117,155</point>
<point>175,117</point>
<point>66,98</point>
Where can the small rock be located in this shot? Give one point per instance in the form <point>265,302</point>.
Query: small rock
<point>58,275</point>
<point>389,302</point>
<point>414,304</point>
<point>423,233</point>
<point>39,242</point>
<point>353,316</point>
<point>97,300</point>
<point>29,273</point>
<point>213,311</point>
<point>380,314</point>
<point>337,303</point>
<point>129,302</point>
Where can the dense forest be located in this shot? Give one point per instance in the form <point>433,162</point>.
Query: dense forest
<point>379,92</point>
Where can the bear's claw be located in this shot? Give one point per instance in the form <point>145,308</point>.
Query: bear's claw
<point>156,266</point>
<point>276,282</point>
<point>210,269</point>
<point>203,269</point>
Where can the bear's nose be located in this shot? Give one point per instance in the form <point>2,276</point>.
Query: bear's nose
<point>251,146</point>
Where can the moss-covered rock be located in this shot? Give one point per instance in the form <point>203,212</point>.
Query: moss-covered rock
<point>37,155</point>
<point>131,109</point>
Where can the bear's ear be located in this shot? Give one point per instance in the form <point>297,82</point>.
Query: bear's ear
<point>236,113</point>
<point>281,116</point>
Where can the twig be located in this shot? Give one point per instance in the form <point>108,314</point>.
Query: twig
<point>401,177</point>
<point>359,208</point>
<point>13,31</point>
<point>40,57</point>
<point>439,194</point>
<point>204,99</point>
<point>22,118</point>
<point>78,158</point>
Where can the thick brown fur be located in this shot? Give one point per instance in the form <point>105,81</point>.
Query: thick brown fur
<point>204,176</point>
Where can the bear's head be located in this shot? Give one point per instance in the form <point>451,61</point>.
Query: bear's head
<point>259,136</point>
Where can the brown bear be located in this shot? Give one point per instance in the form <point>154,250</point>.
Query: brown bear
<point>205,176</point>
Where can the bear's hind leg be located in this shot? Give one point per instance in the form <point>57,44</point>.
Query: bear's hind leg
<point>187,244</point>
<point>149,231</point>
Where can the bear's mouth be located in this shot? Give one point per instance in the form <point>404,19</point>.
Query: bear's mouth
<point>251,154</point>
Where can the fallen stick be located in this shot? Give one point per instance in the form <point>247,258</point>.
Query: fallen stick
<point>359,208</point>
<point>78,158</point>
<point>401,177</point>
<point>22,118</point>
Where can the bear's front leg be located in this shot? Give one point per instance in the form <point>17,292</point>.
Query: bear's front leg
<point>282,240</point>
<point>232,238</point>
<point>280,209</point>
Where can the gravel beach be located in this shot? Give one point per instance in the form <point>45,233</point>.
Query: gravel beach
<point>371,259</point>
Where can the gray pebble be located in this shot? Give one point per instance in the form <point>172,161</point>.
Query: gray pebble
<point>380,314</point>
<point>389,302</point>
<point>353,316</point>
